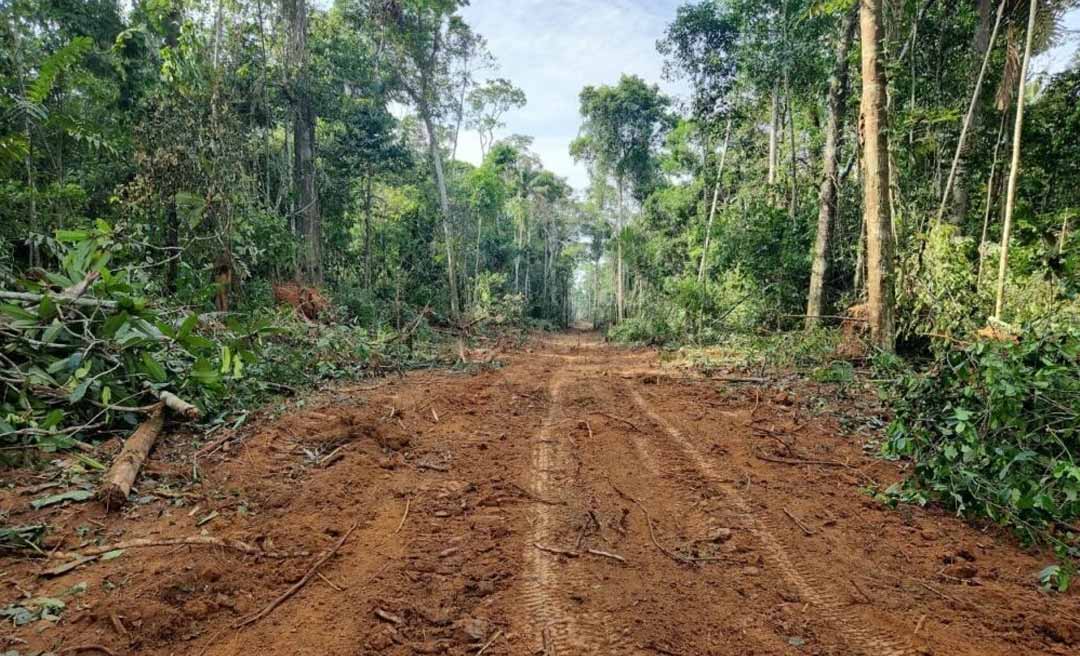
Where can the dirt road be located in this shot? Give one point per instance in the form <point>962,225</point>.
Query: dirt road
<point>579,500</point>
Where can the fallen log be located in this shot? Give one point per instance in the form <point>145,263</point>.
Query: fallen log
<point>121,476</point>
<point>178,405</point>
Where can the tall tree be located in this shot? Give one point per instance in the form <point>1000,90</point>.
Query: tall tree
<point>488,104</point>
<point>830,170</point>
<point>876,207</point>
<point>420,33</point>
<point>699,45</point>
<point>622,128</point>
<point>297,87</point>
<point>1014,170</point>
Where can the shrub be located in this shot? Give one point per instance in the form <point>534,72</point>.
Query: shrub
<point>992,429</point>
<point>653,330</point>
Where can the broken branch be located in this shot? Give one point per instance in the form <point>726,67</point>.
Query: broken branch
<point>114,491</point>
<point>299,584</point>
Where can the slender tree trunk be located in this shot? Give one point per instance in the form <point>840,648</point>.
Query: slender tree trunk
<point>983,42</point>
<point>793,202</point>
<point>367,231</point>
<point>460,108</point>
<point>479,231</point>
<point>310,223</point>
<point>834,134</point>
<point>444,207</point>
<point>620,308</point>
<point>956,182</point>
<point>715,202</point>
<point>774,135</point>
<point>1014,171</point>
<point>990,182</point>
<point>879,240</point>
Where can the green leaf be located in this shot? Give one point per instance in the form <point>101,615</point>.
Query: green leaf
<point>52,419</point>
<point>16,312</point>
<point>80,391</point>
<point>205,373</point>
<point>153,368</point>
<point>55,64</point>
<point>190,207</point>
<point>72,236</point>
<point>52,332</point>
<point>70,495</point>
<point>226,359</point>
<point>112,555</point>
<point>186,327</point>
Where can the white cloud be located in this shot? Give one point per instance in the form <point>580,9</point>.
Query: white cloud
<point>553,48</point>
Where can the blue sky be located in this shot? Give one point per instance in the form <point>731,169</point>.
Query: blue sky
<point>553,48</point>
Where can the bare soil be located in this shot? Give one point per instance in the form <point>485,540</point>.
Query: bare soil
<point>580,500</point>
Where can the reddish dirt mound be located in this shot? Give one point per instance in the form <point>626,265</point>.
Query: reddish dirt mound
<point>307,301</point>
<point>853,332</point>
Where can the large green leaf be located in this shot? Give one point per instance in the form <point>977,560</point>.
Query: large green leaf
<point>154,369</point>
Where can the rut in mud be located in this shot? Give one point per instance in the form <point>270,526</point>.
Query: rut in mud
<point>579,500</point>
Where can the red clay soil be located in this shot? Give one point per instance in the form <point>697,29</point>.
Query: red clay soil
<point>579,500</point>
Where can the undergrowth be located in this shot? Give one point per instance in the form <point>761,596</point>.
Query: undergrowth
<point>84,351</point>
<point>991,429</point>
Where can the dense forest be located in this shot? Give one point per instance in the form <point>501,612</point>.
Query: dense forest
<point>213,203</point>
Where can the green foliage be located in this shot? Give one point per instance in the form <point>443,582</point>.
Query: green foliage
<point>653,330</point>
<point>74,368</point>
<point>992,430</point>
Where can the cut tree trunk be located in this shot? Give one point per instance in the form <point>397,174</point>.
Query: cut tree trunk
<point>876,210</point>
<point>838,90</point>
<point>178,405</point>
<point>121,476</point>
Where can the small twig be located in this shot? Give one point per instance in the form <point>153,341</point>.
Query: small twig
<point>606,554</point>
<point>198,540</point>
<point>329,582</point>
<point>801,461</point>
<point>299,584</point>
<point>625,421</point>
<point>855,584</point>
<point>435,415</point>
<point>404,516</point>
<point>918,625</point>
<point>549,643</point>
<point>388,617</point>
<point>940,593</point>
<point>498,634</point>
<point>556,550</point>
<point>536,498</point>
<point>652,532</point>
<point>804,527</point>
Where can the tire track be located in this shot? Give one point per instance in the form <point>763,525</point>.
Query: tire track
<point>831,608</point>
<point>549,585</point>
